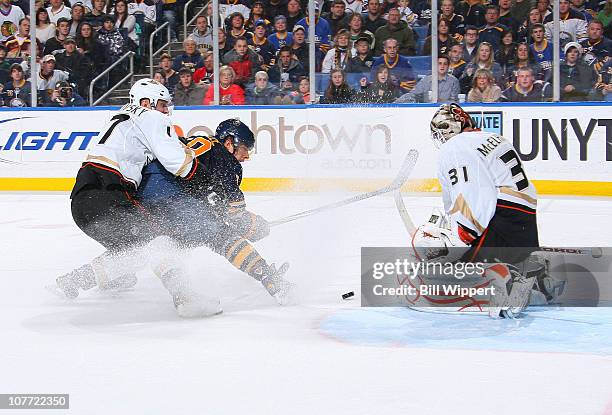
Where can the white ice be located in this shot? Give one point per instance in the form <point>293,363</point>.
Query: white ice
<point>129,353</point>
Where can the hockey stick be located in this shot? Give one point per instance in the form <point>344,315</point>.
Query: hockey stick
<point>400,179</point>
<point>403,212</point>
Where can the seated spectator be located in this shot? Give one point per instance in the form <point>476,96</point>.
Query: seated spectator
<point>603,87</point>
<point>18,45</point>
<point>381,91</point>
<point>493,30</point>
<point>605,14</point>
<point>4,66</point>
<point>64,95</point>
<point>158,76</point>
<point>505,17</point>
<point>597,49</point>
<point>257,13</point>
<point>541,48</point>
<point>448,86</point>
<point>205,74</point>
<point>398,30</point>
<point>445,41</point>
<point>236,29</point>
<point>261,92</point>
<point>524,59</point>
<point>338,56</point>
<point>577,78</point>
<point>44,28</point>
<point>363,59</point>
<point>202,34</point>
<point>125,21</point>
<point>299,48</point>
<point>243,61</point>
<point>287,69</point>
<point>97,14</point>
<point>337,17</point>
<point>77,14</point>
<point>294,14</point>
<point>57,42</point>
<point>472,11</point>
<point>357,31</point>
<point>88,45</point>
<point>76,64</point>
<point>400,68</point>
<point>338,91</point>
<point>572,24</point>
<point>470,43</point>
<point>524,32</point>
<point>302,95</point>
<point>11,15</point>
<point>507,51</point>
<point>281,37</point>
<point>484,88</point>
<point>190,58</point>
<point>527,89</point>
<point>17,92</point>
<point>457,64</point>
<point>423,9</point>
<point>322,30</point>
<point>544,8</point>
<point>456,22</point>
<point>586,11</point>
<point>260,44</point>
<point>231,94</point>
<point>114,45</point>
<point>373,18</point>
<point>187,92</point>
<point>483,59</point>
<point>166,68</point>
<point>406,13</point>
<point>57,9</point>
<point>48,77</point>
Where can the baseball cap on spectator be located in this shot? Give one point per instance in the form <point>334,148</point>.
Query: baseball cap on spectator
<point>570,45</point>
<point>260,22</point>
<point>69,39</point>
<point>298,27</point>
<point>48,58</point>
<point>279,18</point>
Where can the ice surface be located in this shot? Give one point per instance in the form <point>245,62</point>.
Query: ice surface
<point>129,353</point>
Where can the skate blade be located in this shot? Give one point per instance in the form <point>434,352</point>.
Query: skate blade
<point>58,292</point>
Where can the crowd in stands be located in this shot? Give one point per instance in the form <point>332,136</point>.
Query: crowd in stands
<point>366,51</point>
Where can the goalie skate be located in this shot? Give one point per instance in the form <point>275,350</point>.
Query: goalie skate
<point>278,287</point>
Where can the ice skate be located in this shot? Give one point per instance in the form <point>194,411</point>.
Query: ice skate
<point>278,287</point>
<point>69,284</point>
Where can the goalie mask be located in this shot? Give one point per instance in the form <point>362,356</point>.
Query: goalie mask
<point>448,121</point>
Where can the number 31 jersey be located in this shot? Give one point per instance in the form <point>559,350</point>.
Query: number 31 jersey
<point>476,169</point>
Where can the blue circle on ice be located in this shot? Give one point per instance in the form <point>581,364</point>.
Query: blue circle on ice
<point>543,329</point>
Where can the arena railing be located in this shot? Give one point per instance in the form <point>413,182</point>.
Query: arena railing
<point>130,75</point>
<point>153,54</point>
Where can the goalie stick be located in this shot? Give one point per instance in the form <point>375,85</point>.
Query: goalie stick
<point>395,185</point>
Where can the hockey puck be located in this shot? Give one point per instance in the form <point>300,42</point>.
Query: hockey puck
<point>348,295</point>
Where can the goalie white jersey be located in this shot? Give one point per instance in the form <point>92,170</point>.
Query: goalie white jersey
<point>476,170</point>
<point>134,137</point>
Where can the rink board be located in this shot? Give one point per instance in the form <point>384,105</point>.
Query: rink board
<point>566,148</point>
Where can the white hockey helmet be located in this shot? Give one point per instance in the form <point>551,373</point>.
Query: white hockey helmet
<point>149,89</point>
<point>448,121</point>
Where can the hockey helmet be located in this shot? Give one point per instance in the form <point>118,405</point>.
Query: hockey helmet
<point>238,131</point>
<point>149,89</point>
<point>448,121</point>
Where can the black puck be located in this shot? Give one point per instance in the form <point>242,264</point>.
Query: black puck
<point>347,295</point>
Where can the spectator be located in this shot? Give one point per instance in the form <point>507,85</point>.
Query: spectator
<point>224,46</point>
<point>445,42</point>
<point>111,39</point>
<point>406,13</point>
<point>165,66</point>
<point>65,95</point>
<point>299,48</point>
<point>236,29</point>
<point>524,32</point>
<point>169,12</point>
<point>605,15</point>
<point>302,95</point>
<point>231,94</point>
<point>260,44</point>
<point>577,77</point>
<point>261,92</point>
<point>484,88</point>
<point>57,42</point>
<point>400,68</point>
<point>125,21</point>
<point>44,28</point>
<point>57,9</point>
<point>88,45</point>
<point>18,45</point>
<point>294,14</point>
<point>48,77</point>
<point>202,34</point>
<point>507,51</point>
<point>527,89</point>
<point>493,30</point>
<point>77,14</point>
<point>382,90</point>
<point>483,59</point>
<point>229,7</point>
<point>423,9</point>
<point>473,12</point>
<point>338,91</point>
<point>76,64</point>
<point>5,75</point>
<point>158,76</point>
<point>204,75</point>
<point>356,31</point>
<point>373,18</point>
<point>354,6</point>
<point>363,59</point>
<point>457,64</point>
<point>572,24</point>
<point>97,14</point>
<point>604,81</point>
<point>544,8</point>
<point>243,61</point>
<point>520,10</point>
<point>387,5</point>
<point>190,58</point>
<point>506,18</point>
<point>257,13</point>
<point>17,92</point>
<point>470,41</point>
<point>580,7</point>
<point>398,30</point>
<point>280,37</point>
<point>287,70</point>
<point>456,22</point>
<point>524,59</point>
<point>337,17</point>
<point>338,56</point>
<point>448,86</point>
<point>597,49</point>
<point>275,8</point>
<point>322,30</point>
<point>187,92</point>
<point>148,9</point>
<point>542,50</point>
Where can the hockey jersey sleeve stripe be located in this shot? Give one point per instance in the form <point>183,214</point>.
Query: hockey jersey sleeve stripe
<point>102,159</point>
<point>462,207</point>
<point>520,195</point>
<point>516,208</point>
<point>186,168</point>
